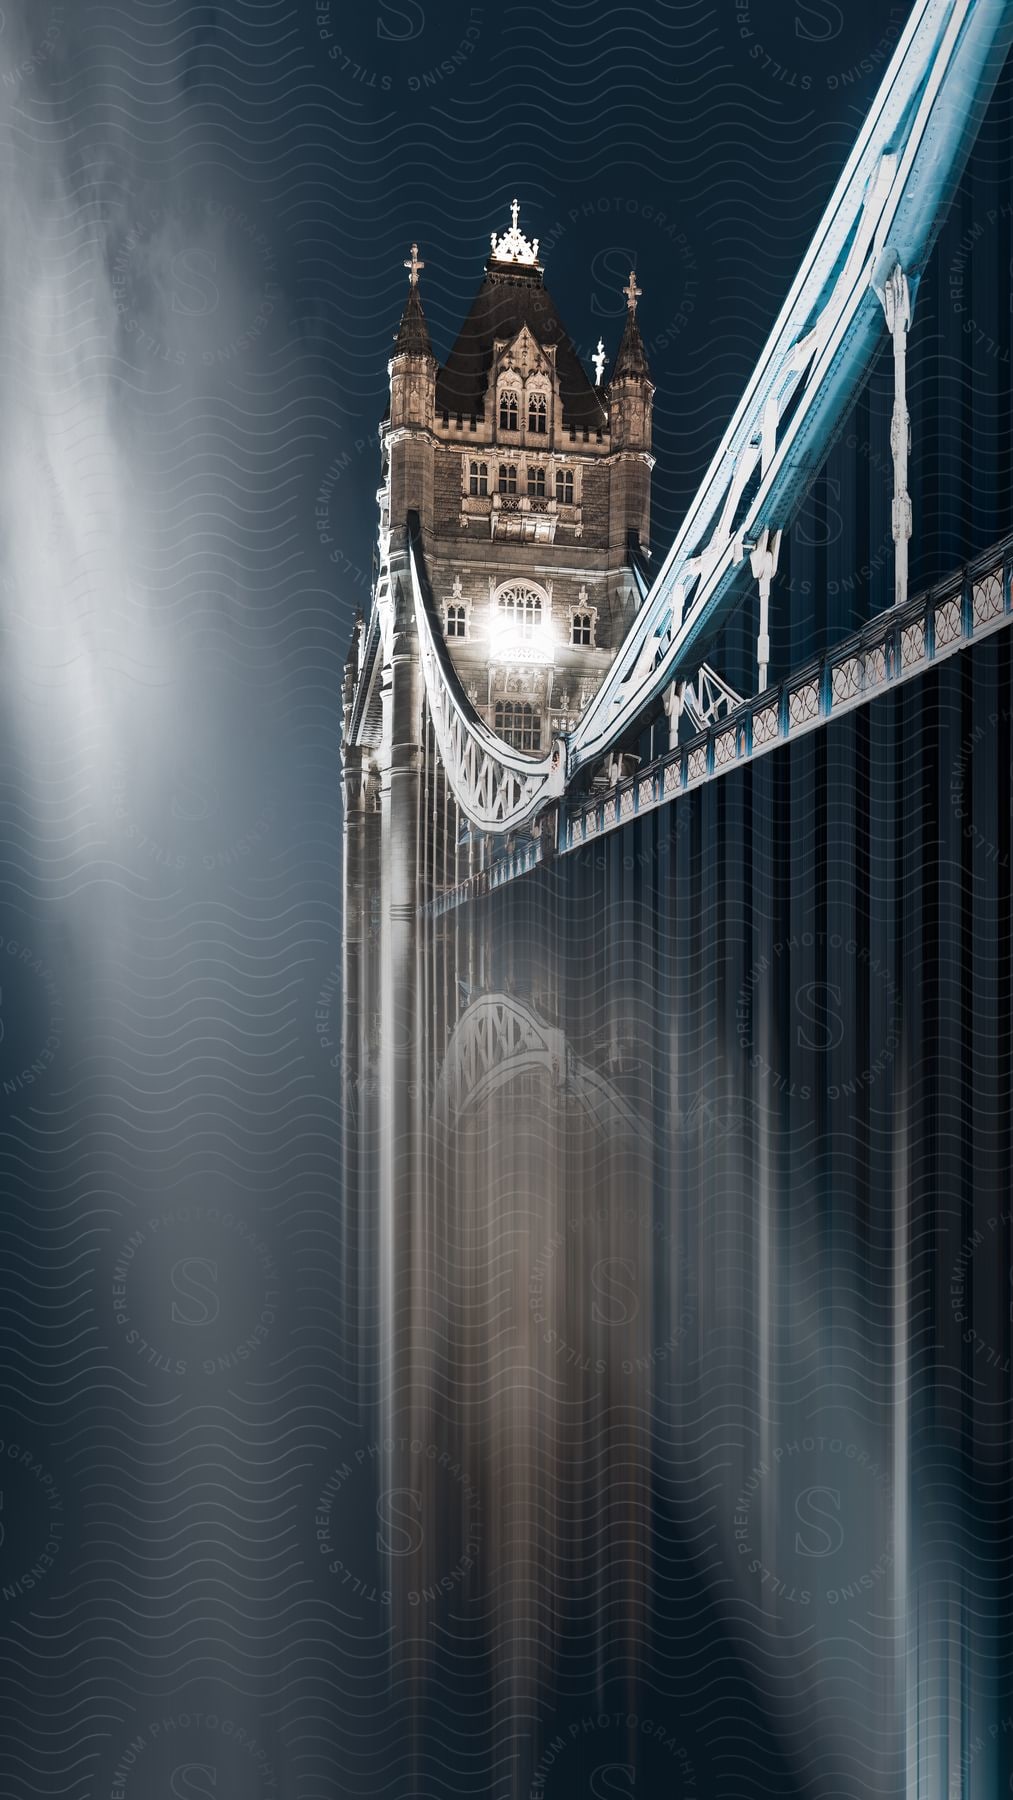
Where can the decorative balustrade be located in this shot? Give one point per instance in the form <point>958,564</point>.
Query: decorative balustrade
<point>896,647</point>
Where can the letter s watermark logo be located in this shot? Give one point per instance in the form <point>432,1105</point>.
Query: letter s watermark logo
<point>400,24</point>
<point>194,798</point>
<point>610,269</point>
<point>195,293</point>
<point>195,1279</point>
<point>818,21</point>
<point>399,1510</point>
<point>194,1781</point>
<point>610,1780</point>
<point>829,530</point>
<point>816,996</point>
<point>620,1304</point>
<point>818,1509</point>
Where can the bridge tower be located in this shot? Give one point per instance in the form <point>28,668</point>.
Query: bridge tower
<point>521,485</point>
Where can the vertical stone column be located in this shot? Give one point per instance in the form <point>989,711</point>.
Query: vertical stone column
<point>399,1015</point>
<point>355,1065</point>
<point>354,1071</point>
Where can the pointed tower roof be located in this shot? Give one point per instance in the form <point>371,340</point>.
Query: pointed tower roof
<point>413,332</point>
<point>631,357</point>
<point>512,295</point>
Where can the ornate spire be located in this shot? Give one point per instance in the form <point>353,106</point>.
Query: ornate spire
<point>513,246</point>
<point>413,333</point>
<point>599,363</point>
<point>631,357</point>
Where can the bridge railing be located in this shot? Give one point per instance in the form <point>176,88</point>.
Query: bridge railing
<point>898,645</point>
<point>891,649</point>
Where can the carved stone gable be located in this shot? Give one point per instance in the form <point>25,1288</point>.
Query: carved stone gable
<point>526,355</point>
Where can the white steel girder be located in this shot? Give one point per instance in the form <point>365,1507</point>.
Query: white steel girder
<point>870,246</point>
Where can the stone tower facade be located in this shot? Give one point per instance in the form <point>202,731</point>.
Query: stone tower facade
<point>531,485</point>
<point>528,485</point>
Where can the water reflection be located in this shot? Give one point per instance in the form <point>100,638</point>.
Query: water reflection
<point>640,1469</point>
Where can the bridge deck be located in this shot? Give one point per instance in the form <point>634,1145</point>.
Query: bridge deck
<point>895,647</point>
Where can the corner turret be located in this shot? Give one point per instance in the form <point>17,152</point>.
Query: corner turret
<point>631,397</point>
<point>408,427</point>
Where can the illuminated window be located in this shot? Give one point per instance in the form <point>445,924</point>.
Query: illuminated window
<point>518,724</point>
<point>457,623</point>
<point>536,484</point>
<point>537,413</point>
<point>521,609</point>
<point>507,478</point>
<point>508,411</point>
<point>564,487</point>
<point>478,478</point>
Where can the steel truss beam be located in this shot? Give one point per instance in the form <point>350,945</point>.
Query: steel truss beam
<point>865,259</point>
<point>708,698</point>
<point>895,648</point>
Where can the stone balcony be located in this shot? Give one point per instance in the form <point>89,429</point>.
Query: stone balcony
<point>520,516</point>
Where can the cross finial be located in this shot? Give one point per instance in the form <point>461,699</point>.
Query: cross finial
<point>632,292</point>
<point>413,265</point>
<point>515,213</point>
<point>599,362</point>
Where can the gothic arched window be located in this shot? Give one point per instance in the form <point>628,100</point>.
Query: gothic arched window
<point>536,483</point>
<point>537,413</point>
<point>582,631</point>
<point>564,487</point>
<point>478,478</point>
<point>457,621</point>
<point>518,724</point>
<point>521,610</point>
<point>508,410</point>
<point>507,478</point>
